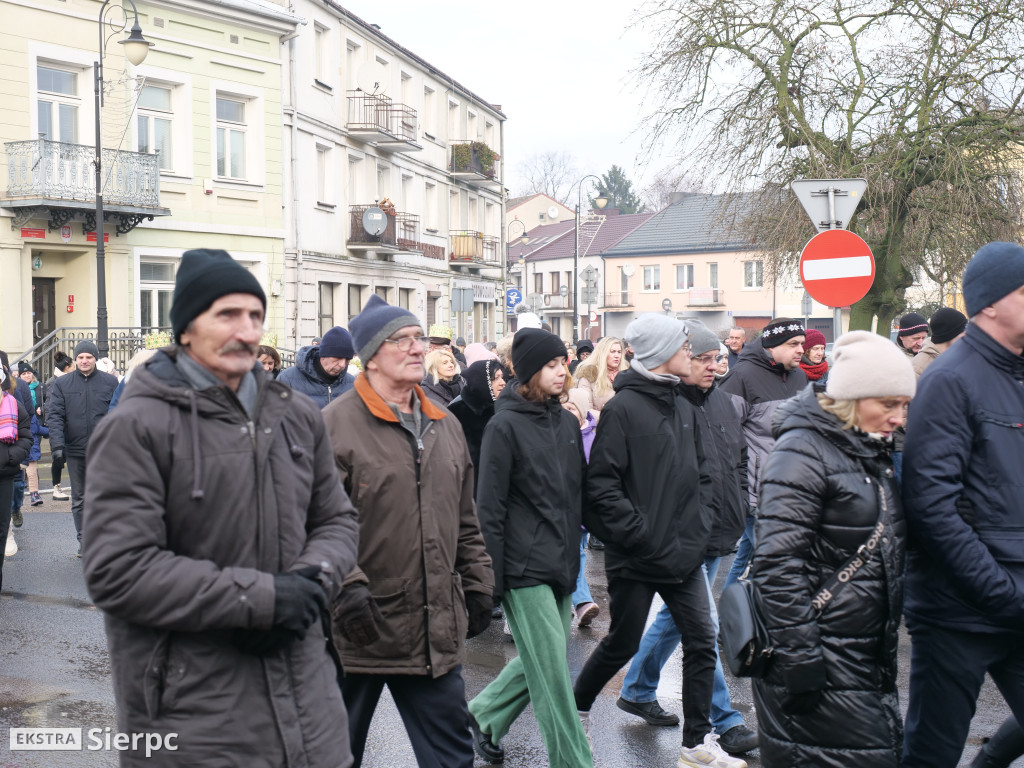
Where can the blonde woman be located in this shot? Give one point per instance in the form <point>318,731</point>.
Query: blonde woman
<point>596,374</point>
<point>443,382</point>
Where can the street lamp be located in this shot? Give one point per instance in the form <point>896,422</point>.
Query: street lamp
<point>600,201</point>
<point>523,240</point>
<point>135,49</point>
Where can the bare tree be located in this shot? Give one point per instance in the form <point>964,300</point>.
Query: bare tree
<point>923,98</point>
<point>551,173</point>
<point>667,184</point>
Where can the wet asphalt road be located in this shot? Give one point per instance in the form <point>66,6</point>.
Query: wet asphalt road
<point>54,670</point>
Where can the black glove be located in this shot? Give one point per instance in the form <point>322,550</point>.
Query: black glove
<point>56,454</point>
<point>800,703</point>
<point>263,642</point>
<point>298,600</point>
<point>479,606</point>
<point>357,615</point>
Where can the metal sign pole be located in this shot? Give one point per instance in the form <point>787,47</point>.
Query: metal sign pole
<point>837,312</point>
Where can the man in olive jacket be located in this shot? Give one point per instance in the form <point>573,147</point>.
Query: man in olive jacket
<point>402,619</point>
<point>215,532</point>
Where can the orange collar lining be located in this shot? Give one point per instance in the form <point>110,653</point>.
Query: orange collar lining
<point>376,405</point>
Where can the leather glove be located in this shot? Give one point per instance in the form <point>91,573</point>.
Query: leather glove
<point>357,615</point>
<point>479,606</point>
<point>800,703</point>
<point>263,642</point>
<point>298,600</point>
<point>56,454</point>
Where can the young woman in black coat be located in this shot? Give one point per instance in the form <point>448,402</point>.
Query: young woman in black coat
<point>474,406</point>
<point>829,698</point>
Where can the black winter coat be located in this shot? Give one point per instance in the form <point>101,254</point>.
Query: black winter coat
<point>649,486</point>
<point>76,405</point>
<point>726,452</point>
<point>443,392</point>
<point>307,377</point>
<point>12,454</point>
<point>820,500</point>
<point>531,493</point>
<point>474,407</point>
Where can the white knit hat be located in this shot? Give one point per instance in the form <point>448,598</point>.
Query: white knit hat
<point>866,365</point>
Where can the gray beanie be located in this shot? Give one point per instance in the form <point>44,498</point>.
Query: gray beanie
<point>701,339</point>
<point>89,347</point>
<point>374,324</point>
<point>866,365</point>
<point>655,338</point>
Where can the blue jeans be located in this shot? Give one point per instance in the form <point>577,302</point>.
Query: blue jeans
<point>659,642</point>
<point>743,553</point>
<point>582,593</point>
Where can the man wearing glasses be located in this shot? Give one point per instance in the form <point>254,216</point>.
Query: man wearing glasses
<point>401,619</point>
<point>726,451</point>
<point>649,492</point>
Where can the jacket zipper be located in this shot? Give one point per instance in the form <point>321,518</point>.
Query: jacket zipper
<point>418,456</point>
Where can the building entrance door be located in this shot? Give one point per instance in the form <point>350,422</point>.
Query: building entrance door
<point>44,315</point>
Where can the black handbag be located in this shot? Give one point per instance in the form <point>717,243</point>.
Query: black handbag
<point>746,643</point>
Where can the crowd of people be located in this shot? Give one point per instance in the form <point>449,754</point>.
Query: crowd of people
<point>272,547</point>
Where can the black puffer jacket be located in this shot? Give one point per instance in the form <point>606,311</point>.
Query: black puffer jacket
<point>474,407</point>
<point>76,405</point>
<point>531,493</point>
<point>726,452</point>
<point>648,483</point>
<point>820,499</point>
<point>443,392</point>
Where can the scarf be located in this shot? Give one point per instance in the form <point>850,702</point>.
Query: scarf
<point>814,371</point>
<point>8,418</point>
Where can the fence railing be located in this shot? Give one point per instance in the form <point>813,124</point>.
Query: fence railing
<point>369,112</point>
<point>54,169</point>
<point>618,299</point>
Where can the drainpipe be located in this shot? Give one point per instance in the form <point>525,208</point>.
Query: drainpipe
<point>293,162</point>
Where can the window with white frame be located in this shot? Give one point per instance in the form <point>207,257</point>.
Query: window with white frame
<point>471,126</point>
<point>57,103</point>
<point>231,137</point>
<point>453,120</point>
<point>383,180</point>
<point>652,278</point>
<point>429,111</point>
<point>713,275</point>
<point>405,297</point>
<point>321,54</point>
<point>325,306</point>
<point>154,124</point>
<point>355,173</point>
<point>353,58</point>
<point>430,205</point>
<point>323,171</point>
<point>474,222</point>
<point>355,300</point>
<point>753,274</point>
<point>454,211</point>
<point>684,277</point>
<point>156,289</point>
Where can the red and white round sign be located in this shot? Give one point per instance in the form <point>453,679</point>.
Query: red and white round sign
<point>837,268</point>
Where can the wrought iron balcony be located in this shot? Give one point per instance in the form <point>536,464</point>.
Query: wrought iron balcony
<point>402,233</point>
<point>57,180</point>
<point>391,126</point>
<point>475,162</point>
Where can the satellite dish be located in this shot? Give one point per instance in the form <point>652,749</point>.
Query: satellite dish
<point>372,78</point>
<point>553,212</point>
<point>628,270</point>
<point>374,221</point>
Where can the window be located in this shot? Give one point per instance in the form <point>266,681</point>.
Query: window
<point>231,130</point>
<point>154,124</point>
<point>429,112</point>
<point>382,291</point>
<point>684,277</point>
<point>713,275</point>
<point>652,278</point>
<point>471,126</point>
<point>405,297</point>
<point>453,120</point>
<point>474,221</point>
<point>430,193</point>
<point>623,287</point>
<point>355,170</point>
<point>753,274</point>
<point>383,180</point>
<point>538,282</point>
<point>325,307</point>
<point>554,283</point>
<point>353,57</point>
<point>407,203</point>
<point>156,289</point>
<point>454,214</point>
<point>57,104</point>
<point>323,169</point>
<point>321,53</point>
<point>355,300</point>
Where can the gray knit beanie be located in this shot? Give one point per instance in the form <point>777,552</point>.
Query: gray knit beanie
<point>701,338</point>
<point>655,338</point>
<point>866,365</point>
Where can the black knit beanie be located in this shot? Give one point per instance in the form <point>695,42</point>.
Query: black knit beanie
<point>532,349</point>
<point>205,275</point>
<point>911,324</point>
<point>946,324</point>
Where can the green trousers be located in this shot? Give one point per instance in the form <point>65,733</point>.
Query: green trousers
<point>539,675</point>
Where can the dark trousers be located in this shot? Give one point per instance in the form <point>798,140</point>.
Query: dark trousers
<point>630,602</point>
<point>947,669</point>
<point>433,710</point>
<point>1005,746</point>
<point>56,467</point>
<point>6,493</point>
<point>76,472</point>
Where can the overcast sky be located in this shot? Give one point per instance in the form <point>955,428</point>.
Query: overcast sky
<point>560,69</point>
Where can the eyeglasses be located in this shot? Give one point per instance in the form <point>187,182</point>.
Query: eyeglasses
<point>707,358</point>
<point>405,343</point>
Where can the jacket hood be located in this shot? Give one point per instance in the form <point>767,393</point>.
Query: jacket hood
<point>630,379</point>
<point>306,359</point>
<point>511,400</point>
<point>695,394</point>
<point>754,353</point>
<point>476,392</point>
<point>803,411</point>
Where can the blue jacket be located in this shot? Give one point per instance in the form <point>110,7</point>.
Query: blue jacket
<point>963,485</point>
<point>305,378</point>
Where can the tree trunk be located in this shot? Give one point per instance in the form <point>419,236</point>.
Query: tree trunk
<point>885,299</point>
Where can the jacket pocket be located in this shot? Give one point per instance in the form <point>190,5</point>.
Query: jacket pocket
<point>155,678</point>
<point>395,604</point>
<point>460,619</point>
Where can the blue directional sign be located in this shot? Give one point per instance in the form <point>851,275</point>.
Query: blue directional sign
<point>513,296</point>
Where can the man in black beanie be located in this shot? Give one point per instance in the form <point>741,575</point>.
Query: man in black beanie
<point>947,325</point>
<point>321,372</point>
<point>216,532</point>
<point>912,333</point>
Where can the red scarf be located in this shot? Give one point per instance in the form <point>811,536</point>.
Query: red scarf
<point>814,371</point>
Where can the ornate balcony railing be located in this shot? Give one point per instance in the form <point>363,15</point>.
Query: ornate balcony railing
<point>408,225</point>
<point>375,114</point>
<point>54,170</point>
<point>387,240</point>
<point>491,244</point>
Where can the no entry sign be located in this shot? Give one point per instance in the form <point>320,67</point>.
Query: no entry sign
<point>837,268</point>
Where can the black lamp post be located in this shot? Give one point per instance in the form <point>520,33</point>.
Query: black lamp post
<point>600,201</point>
<point>523,240</point>
<point>135,49</point>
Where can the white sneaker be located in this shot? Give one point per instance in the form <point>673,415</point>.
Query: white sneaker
<point>708,754</point>
<point>585,721</point>
<point>11,546</point>
<point>59,495</point>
